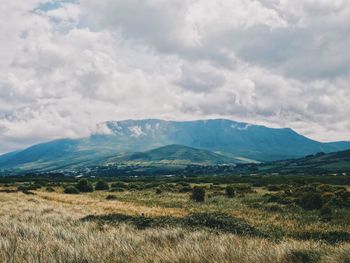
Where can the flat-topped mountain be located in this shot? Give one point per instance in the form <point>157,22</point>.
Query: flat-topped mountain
<point>114,139</point>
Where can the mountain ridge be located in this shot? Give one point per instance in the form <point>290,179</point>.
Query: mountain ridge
<point>119,138</point>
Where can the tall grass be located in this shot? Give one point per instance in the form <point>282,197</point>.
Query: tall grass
<point>37,229</point>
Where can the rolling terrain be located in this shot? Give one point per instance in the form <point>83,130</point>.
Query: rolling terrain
<point>180,154</point>
<point>207,141</point>
<point>320,162</point>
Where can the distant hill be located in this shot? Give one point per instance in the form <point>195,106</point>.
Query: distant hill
<point>339,146</point>
<point>180,154</point>
<point>320,162</point>
<point>241,142</point>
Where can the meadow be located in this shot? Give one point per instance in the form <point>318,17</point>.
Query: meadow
<point>158,221</point>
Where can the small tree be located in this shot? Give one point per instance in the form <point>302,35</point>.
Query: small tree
<point>71,190</point>
<point>230,191</point>
<point>84,186</point>
<point>198,194</point>
<point>101,186</point>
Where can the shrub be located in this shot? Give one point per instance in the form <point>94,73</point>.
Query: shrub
<point>185,189</point>
<point>158,191</point>
<point>117,189</point>
<point>184,184</point>
<point>307,256</point>
<point>341,198</point>
<point>28,187</point>
<point>119,185</point>
<point>198,194</point>
<point>223,222</point>
<point>71,190</point>
<point>274,188</point>
<point>28,192</point>
<point>101,186</point>
<point>137,186</point>
<point>22,188</point>
<point>326,213</point>
<point>84,186</point>
<point>216,187</point>
<point>151,185</point>
<point>273,208</point>
<point>281,198</point>
<point>243,188</point>
<point>111,197</point>
<point>50,189</point>
<point>311,201</point>
<point>230,191</point>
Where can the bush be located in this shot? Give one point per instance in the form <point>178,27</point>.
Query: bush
<point>28,187</point>
<point>223,222</point>
<point>71,190</point>
<point>50,189</point>
<point>215,194</point>
<point>22,188</point>
<point>273,208</point>
<point>137,186</point>
<point>185,189</point>
<point>281,198</point>
<point>117,189</point>
<point>341,199</point>
<point>243,188</point>
<point>111,197</point>
<point>198,194</point>
<point>326,213</point>
<point>101,186</point>
<point>183,184</point>
<point>230,191</point>
<point>311,201</point>
<point>158,191</point>
<point>119,185</point>
<point>84,186</point>
<point>307,256</point>
<point>274,188</point>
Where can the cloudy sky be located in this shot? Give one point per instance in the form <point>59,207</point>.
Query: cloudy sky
<point>67,65</point>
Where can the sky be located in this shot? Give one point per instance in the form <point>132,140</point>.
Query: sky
<point>66,66</point>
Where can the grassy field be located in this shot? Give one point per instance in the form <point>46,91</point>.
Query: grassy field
<point>140,225</point>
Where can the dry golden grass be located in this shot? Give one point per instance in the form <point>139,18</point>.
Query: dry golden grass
<point>47,228</point>
<point>87,205</point>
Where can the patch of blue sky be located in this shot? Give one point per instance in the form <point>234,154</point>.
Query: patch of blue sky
<point>53,4</point>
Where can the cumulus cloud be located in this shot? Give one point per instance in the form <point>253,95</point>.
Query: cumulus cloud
<point>67,65</point>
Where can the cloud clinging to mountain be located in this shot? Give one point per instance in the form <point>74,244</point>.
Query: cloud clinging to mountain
<point>66,65</point>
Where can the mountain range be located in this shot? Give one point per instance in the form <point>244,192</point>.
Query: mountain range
<point>202,141</point>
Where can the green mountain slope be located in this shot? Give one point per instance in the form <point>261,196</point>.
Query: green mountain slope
<point>112,140</point>
<point>180,154</point>
<point>320,162</point>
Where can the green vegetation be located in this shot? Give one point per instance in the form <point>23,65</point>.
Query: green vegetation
<point>84,186</point>
<point>254,218</point>
<point>198,194</point>
<point>102,186</point>
<point>71,190</point>
<point>313,196</point>
<point>230,191</point>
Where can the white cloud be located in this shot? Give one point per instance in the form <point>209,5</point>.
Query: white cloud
<point>65,68</point>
